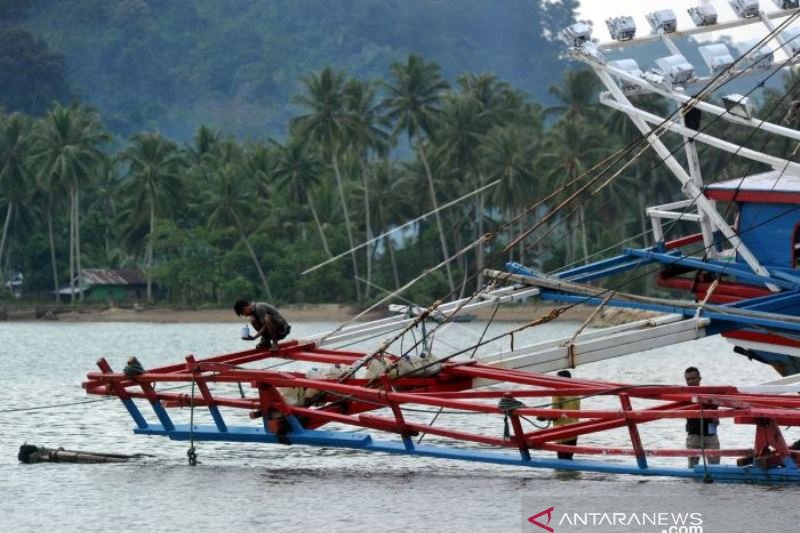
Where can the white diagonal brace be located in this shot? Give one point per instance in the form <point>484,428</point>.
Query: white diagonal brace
<point>789,133</point>
<point>776,163</point>
<point>692,191</point>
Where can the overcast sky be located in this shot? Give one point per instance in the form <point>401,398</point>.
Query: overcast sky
<point>599,10</point>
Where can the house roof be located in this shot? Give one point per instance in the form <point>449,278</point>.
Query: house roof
<point>771,187</point>
<point>110,276</point>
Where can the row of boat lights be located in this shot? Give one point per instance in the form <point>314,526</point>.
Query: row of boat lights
<point>675,71</point>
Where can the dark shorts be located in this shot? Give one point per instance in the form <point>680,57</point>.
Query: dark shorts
<point>284,331</point>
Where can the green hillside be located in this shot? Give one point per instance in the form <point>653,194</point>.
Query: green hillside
<point>174,65</point>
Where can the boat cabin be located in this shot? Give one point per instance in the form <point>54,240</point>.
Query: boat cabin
<point>769,215</point>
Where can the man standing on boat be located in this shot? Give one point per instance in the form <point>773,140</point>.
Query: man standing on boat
<point>701,434</point>
<point>572,403</point>
<point>269,324</point>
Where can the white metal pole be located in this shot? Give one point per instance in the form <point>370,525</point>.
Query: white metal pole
<point>704,205</point>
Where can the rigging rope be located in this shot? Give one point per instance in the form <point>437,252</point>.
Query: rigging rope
<point>191,453</point>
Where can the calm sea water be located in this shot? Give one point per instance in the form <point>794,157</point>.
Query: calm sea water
<point>250,487</point>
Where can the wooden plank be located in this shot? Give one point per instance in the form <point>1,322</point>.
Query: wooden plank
<point>603,348</point>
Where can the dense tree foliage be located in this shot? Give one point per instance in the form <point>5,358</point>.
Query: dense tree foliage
<point>327,161</point>
<point>217,218</point>
<point>173,65</point>
<point>32,75</point>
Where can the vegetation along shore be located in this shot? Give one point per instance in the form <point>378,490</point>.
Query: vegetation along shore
<point>204,217</point>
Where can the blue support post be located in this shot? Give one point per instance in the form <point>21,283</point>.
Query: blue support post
<point>206,394</point>
<point>162,415</point>
<point>141,423</point>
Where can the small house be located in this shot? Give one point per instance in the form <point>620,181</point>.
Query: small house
<point>110,286</point>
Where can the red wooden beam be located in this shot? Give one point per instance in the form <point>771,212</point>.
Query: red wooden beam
<point>636,440</point>
<point>683,241</point>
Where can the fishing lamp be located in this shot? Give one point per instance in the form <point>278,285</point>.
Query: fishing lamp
<point>676,69</point>
<point>791,37</point>
<point>577,34</point>
<point>590,49</point>
<point>716,56</point>
<point>663,19</point>
<point>621,28</point>
<point>744,8</point>
<point>656,78</point>
<point>758,59</point>
<point>629,66</point>
<point>738,105</point>
<point>787,4</point>
<point>703,15</point>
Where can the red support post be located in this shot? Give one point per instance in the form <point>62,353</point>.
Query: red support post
<point>398,413</point>
<point>636,440</point>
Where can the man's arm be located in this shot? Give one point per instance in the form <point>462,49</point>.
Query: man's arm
<point>259,332</point>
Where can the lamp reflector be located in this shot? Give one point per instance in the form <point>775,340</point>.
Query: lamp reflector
<point>577,34</point>
<point>716,56</point>
<point>663,19</point>
<point>738,105</point>
<point>744,8</point>
<point>621,28</point>
<point>762,58</point>
<point>703,15</point>
<point>676,69</point>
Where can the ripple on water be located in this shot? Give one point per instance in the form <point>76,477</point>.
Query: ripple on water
<point>251,487</point>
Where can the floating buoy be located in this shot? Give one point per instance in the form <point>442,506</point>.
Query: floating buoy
<point>29,454</point>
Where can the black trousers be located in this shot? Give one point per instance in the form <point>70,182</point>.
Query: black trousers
<point>568,455</point>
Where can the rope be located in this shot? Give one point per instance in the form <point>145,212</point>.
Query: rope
<point>398,228</point>
<point>709,293</point>
<point>706,476</point>
<point>386,298</point>
<point>191,454</point>
<point>485,329</point>
<point>507,404</point>
<point>570,344</point>
<point>55,405</point>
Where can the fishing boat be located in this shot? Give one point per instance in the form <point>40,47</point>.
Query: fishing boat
<point>738,277</point>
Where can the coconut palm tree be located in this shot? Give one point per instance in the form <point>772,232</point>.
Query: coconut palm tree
<point>67,154</point>
<point>647,169</point>
<point>154,185</point>
<point>15,145</point>
<point>414,106</point>
<point>297,172</point>
<point>577,96</point>
<point>329,124</point>
<point>568,152</point>
<point>465,122</point>
<point>104,202</point>
<point>228,201</point>
<point>261,159</point>
<point>494,95</point>
<point>390,204</point>
<point>367,136</point>
<point>507,154</point>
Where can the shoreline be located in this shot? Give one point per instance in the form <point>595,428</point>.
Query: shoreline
<point>299,313</point>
